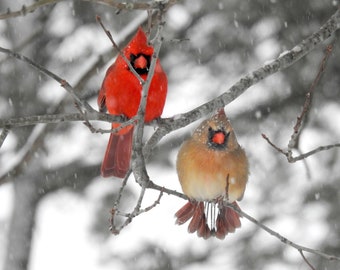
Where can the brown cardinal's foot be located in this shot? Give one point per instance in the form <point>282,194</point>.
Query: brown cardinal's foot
<point>209,218</point>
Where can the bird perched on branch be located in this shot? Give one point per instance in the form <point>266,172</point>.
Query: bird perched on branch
<point>213,172</point>
<point>120,94</point>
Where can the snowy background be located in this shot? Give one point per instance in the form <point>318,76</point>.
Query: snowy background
<point>208,45</point>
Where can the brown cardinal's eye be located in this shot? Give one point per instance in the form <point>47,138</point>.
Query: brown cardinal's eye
<point>141,63</point>
<point>217,139</point>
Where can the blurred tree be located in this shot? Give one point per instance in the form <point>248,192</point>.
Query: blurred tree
<point>208,46</point>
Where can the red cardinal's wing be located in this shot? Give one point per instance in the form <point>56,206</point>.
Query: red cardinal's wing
<point>101,101</point>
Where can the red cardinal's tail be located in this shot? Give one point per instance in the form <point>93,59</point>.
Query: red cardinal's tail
<point>204,220</point>
<point>118,154</point>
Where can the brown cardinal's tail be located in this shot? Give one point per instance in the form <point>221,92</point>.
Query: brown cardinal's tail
<point>118,154</point>
<point>209,219</point>
<point>227,221</point>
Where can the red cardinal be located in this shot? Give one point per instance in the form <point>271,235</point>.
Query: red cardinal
<point>120,94</point>
<point>213,170</point>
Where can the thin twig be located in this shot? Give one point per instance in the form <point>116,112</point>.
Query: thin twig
<point>264,136</point>
<point>126,123</point>
<point>116,204</point>
<point>121,189</point>
<point>83,104</point>
<point>309,98</point>
<point>305,259</point>
<point>23,154</point>
<point>292,159</point>
<point>300,119</point>
<point>156,202</point>
<point>316,150</point>
<point>129,217</point>
<point>307,168</point>
<point>136,212</point>
<point>154,186</point>
<point>23,44</point>
<point>144,210</point>
<point>281,238</point>
<point>154,139</point>
<point>107,32</point>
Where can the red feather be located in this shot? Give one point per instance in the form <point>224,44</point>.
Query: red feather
<point>120,94</point>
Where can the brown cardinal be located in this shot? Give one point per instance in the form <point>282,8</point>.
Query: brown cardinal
<point>121,93</point>
<point>213,171</point>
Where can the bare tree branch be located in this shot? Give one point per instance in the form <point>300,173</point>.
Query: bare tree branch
<point>292,159</point>
<point>305,259</point>
<point>115,46</point>
<point>23,154</point>
<point>152,185</point>
<point>27,9</point>
<point>165,126</point>
<point>151,5</point>
<point>309,98</point>
<point>138,159</point>
<point>281,63</point>
<point>59,118</point>
<point>301,118</point>
<point>283,239</point>
<point>136,212</point>
<point>81,103</point>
